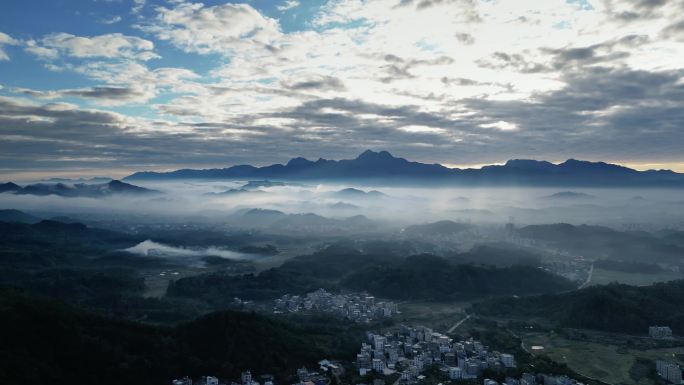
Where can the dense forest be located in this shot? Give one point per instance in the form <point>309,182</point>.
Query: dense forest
<point>612,308</point>
<point>423,277</point>
<point>434,278</point>
<point>48,342</point>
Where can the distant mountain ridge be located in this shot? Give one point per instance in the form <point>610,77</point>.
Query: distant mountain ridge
<point>381,166</point>
<point>114,187</point>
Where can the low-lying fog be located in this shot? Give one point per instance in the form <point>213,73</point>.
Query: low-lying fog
<point>394,207</point>
<point>154,249</point>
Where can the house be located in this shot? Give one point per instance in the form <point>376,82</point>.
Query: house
<point>660,332</point>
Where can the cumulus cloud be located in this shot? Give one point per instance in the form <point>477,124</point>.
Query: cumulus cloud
<point>110,46</point>
<point>473,82</point>
<point>221,29</point>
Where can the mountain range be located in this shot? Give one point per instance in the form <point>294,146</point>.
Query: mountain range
<point>100,190</point>
<point>382,167</point>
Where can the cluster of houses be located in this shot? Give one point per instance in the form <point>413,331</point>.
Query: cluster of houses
<point>359,307</point>
<point>409,351</point>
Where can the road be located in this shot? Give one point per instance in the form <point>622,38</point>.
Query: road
<point>457,324</point>
<point>586,283</point>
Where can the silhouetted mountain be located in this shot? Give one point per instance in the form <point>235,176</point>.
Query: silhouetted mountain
<point>343,206</point>
<point>97,179</point>
<point>114,187</point>
<point>373,166</point>
<point>352,193</point>
<point>17,216</point>
<point>441,228</point>
<point>254,184</point>
<point>236,192</point>
<point>9,186</point>
<point>569,195</point>
<point>277,220</point>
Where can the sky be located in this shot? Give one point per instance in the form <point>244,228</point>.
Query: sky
<point>107,87</point>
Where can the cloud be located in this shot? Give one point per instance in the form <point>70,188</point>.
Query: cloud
<point>500,125</point>
<point>287,5</point>
<point>514,61</point>
<point>109,46</point>
<point>5,39</point>
<point>216,29</point>
<point>138,6</point>
<point>417,129</point>
<point>470,81</point>
<point>316,83</point>
<point>103,94</point>
<point>111,20</point>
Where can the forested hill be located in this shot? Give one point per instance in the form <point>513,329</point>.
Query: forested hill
<point>613,308</point>
<point>435,278</point>
<point>421,277</point>
<point>47,342</point>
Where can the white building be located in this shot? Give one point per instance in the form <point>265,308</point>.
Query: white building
<point>669,371</point>
<point>507,360</point>
<point>660,332</point>
<point>378,365</point>
<point>455,373</point>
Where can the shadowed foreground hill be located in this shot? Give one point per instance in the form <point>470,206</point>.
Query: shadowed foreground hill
<point>46,342</point>
<point>613,308</point>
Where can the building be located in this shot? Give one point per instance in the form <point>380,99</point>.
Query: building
<point>528,379</point>
<point>246,378</point>
<point>669,371</point>
<point>455,373</point>
<point>182,381</point>
<point>660,332</point>
<point>507,360</point>
<point>378,365</point>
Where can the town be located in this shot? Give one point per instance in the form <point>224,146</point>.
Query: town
<point>409,351</point>
<point>407,354</point>
<point>358,307</point>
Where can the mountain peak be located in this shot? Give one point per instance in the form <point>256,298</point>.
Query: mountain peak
<point>530,164</point>
<point>372,155</point>
<point>298,162</point>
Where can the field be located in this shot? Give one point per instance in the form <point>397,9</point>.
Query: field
<point>611,364</point>
<point>603,277</point>
<point>439,316</point>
